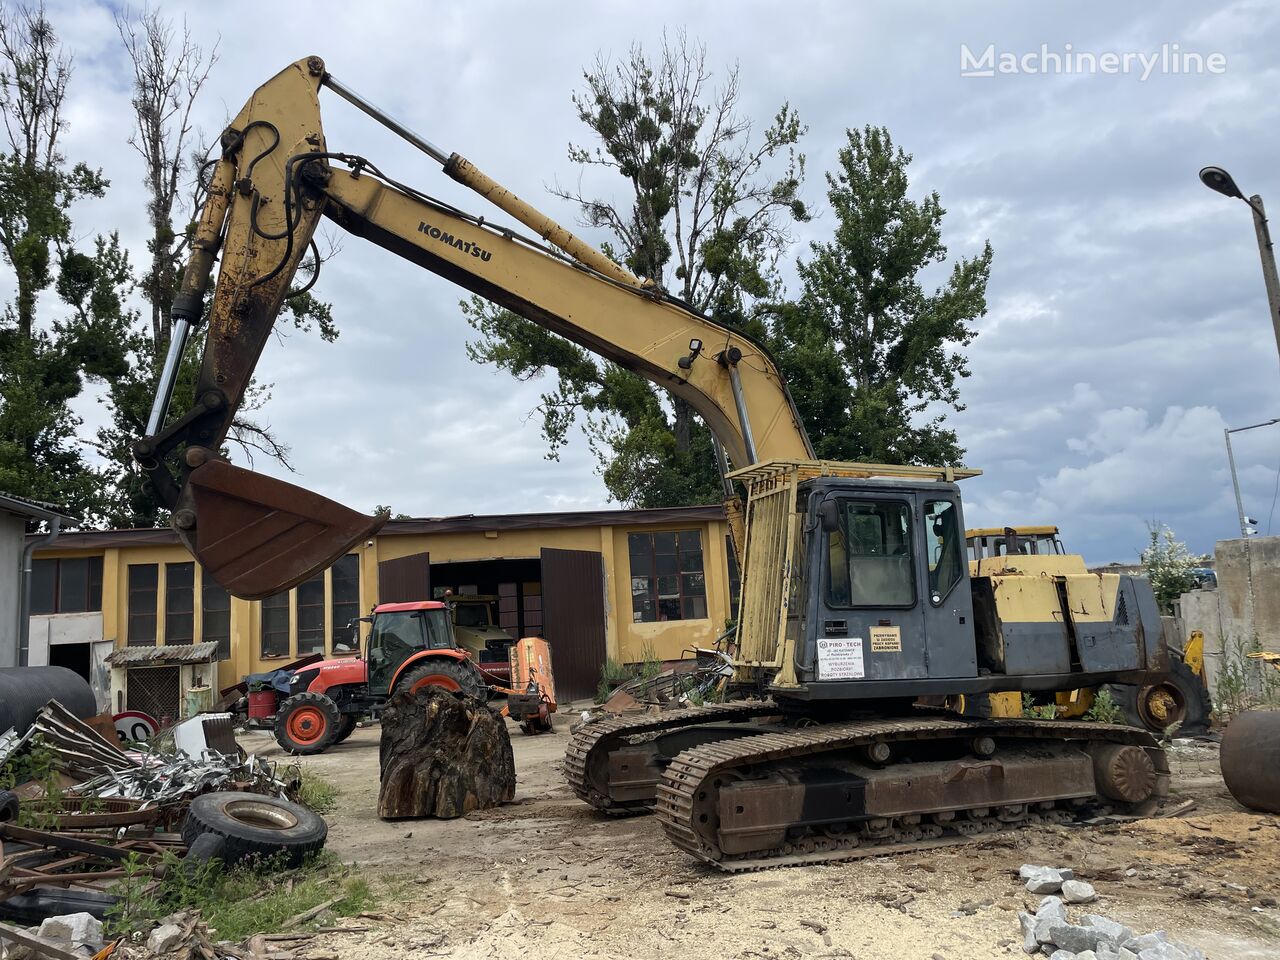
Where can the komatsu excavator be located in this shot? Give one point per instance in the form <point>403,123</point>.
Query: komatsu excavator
<point>857,601</point>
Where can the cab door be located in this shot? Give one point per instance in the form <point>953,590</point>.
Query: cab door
<point>871,624</point>
<point>946,600</point>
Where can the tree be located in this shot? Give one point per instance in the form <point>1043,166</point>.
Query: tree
<point>866,350</point>
<point>1169,566</point>
<point>43,365</point>
<point>707,212</point>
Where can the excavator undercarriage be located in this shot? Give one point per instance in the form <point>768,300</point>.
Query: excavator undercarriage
<point>738,787</point>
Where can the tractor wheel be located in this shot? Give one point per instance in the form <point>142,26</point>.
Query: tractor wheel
<point>453,675</point>
<point>1180,698</point>
<point>307,723</point>
<point>346,725</point>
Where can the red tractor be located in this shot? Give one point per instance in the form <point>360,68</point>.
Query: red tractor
<point>410,646</point>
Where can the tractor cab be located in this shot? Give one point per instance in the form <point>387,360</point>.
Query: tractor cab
<point>399,631</point>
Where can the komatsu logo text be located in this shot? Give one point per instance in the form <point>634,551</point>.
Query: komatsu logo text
<point>466,246</point>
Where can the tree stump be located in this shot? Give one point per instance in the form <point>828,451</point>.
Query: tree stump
<point>442,755</point>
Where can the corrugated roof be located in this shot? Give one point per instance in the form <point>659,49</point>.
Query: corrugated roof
<point>36,509</point>
<point>175,653</point>
<point>164,536</point>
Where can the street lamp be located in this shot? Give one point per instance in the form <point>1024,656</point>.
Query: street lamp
<point>1245,530</point>
<point>1217,179</point>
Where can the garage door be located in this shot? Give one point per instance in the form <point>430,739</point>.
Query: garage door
<point>573,619</point>
<point>405,580</point>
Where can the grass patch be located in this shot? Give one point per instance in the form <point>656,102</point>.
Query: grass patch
<point>237,903</point>
<point>316,792</point>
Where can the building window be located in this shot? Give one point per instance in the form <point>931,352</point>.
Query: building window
<point>66,585</point>
<point>275,626</point>
<point>215,616</point>
<point>311,616</point>
<point>179,603</point>
<point>346,604</point>
<point>142,581</point>
<point>667,582</point>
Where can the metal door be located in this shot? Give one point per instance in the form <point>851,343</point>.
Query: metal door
<point>573,619</point>
<point>405,580</point>
<point>945,596</point>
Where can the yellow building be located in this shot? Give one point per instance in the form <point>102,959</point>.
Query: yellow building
<point>625,584</point>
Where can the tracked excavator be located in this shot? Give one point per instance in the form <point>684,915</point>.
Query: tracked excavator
<point>857,600</point>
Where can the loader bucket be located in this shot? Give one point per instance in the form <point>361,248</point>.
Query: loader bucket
<point>258,536</point>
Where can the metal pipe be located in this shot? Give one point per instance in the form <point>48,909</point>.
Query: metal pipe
<point>1235,482</point>
<point>1231,462</point>
<point>384,118</point>
<point>168,376</point>
<point>468,174</point>
<point>723,465</point>
<point>24,608</point>
<point>740,402</point>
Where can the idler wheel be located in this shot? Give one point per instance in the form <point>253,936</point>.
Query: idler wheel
<point>1124,772</point>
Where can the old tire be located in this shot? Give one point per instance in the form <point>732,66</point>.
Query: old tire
<point>8,806</point>
<point>346,726</point>
<point>204,849</point>
<point>453,675</point>
<point>1179,698</point>
<point>252,825</point>
<point>307,723</point>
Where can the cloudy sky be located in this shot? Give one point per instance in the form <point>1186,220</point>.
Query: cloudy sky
<point>1127,323</point>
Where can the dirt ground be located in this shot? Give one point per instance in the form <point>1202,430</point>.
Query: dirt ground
<point>547,877</point>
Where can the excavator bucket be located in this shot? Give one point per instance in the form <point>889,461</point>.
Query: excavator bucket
<point>258,536</point>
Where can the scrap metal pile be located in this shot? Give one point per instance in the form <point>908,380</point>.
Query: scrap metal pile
<point>203,756</point>
<point>94,805</point>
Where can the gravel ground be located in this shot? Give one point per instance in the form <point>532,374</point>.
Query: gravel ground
<point>547,877</point>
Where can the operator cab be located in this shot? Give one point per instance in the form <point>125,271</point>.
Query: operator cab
<point>401,630</point>
<point>892,601</point>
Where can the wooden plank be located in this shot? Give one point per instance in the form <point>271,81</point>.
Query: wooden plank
<point>41,946</point>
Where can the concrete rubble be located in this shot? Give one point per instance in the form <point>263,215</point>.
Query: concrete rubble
<point>1049,931</point>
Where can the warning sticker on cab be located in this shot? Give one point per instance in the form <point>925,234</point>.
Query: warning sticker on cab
<point>886,639</point>
<point>841,659</point>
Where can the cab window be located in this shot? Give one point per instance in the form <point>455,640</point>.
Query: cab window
<point>942,539</point>
<point>869,555</point>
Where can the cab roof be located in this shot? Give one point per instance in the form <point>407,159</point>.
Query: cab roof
<point>408,607</point>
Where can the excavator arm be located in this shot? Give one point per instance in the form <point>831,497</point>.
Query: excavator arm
<point>274,181</point>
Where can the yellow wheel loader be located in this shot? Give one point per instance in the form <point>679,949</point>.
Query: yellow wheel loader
<point>1177,701</point>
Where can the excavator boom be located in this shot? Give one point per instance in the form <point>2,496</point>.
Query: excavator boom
<point>275,180</point>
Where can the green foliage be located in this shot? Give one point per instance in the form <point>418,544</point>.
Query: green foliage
<point>1045,711</point>
<point>316,792</point>
<point>44,362</point>
<point>254,898</point>
<point>707,205</point>
<point>1244,682</point>
<point>1104,708</point>
<point>1169,564</point>
<point>867,351</point>
<point>39,763</point>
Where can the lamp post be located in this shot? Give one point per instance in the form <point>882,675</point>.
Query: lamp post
<point>1235,481</point>
<point>1217,179</point>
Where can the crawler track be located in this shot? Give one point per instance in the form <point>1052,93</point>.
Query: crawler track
<point>689,789</point>
<point>586,756</point>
